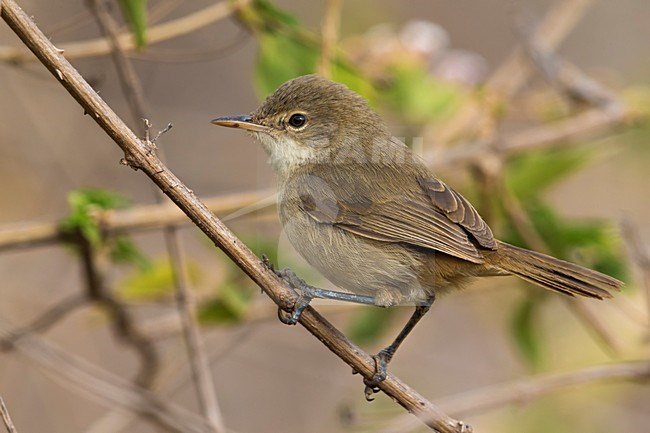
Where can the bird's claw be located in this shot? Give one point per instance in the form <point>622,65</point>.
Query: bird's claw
<point>381,370</point>
<point>302,289</point>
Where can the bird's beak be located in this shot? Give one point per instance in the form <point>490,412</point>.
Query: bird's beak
<point>243,122</point>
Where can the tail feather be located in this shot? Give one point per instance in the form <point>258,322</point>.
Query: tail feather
<point>552,273</point>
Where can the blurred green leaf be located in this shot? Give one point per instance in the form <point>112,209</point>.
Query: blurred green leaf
<point>591,242</point>
<point>286,50</point>
<point>637,100</point>
<point>230,306</point>
<point>279,59</point>
<point>418,97</point>
<point>84,204</point>
<point>135,14</point>
<point>529,175</point>
<point>155,281</point>
<point>273,15</point>
<point>525,330</point>
<point>369,324</point>
<point>125,251</point>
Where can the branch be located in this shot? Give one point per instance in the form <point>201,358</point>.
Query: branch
<point>515,71</point>
<point>524,390</point>
<point>639,255</point>
<point>140,156</point>
<point>155,34</point>
<point>201,375</point>
<point>112,390</point>
<point>122,322</point>
<point>144,217</point>
<point>3,409</point>
<point>329,31</point>
<point>43,322</point>
<point>568,132</point>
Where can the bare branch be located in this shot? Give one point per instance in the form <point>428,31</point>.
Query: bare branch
<point>329,32</point>
<point>132,89</point>
<point>46,320</point>
<point>640,256</point>
<point>144,217</point>
<point>515,71</point>
<point>3,409</point>
<point>567,132</point>
<point>122,321</point>
<point>155,34</point>
<point>110,389</point>
<point>140,156</point>
<point>525,390</point>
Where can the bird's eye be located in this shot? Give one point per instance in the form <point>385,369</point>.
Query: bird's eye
<point>297,120</point>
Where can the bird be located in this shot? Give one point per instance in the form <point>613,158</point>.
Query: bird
<point>365,211</point>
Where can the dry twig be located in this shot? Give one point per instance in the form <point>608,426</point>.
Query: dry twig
<point>201,374</point>
<point>76,373</point>
<point>143,217</point>
<point>525,390</point>
<point>9,424</point>
<point>155,34</point>
<point>329,32</point>
<point>514,72</point>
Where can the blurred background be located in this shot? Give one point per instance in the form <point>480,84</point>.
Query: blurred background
<point>537,111</point>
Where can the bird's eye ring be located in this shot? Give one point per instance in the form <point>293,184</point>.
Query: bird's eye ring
<point>297,120</point>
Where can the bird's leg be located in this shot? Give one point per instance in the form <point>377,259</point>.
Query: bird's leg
<point>385,355</point>
<point>306,293</point>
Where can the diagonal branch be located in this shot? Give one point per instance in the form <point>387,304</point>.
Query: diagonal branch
<point>139,155</point>
<point>6,418</point>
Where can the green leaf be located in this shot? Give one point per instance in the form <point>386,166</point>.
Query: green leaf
<point>591,242</point>
<point>279,59</point>
<point>286,50</point>
<point>230,306</point>
<point>135,14</point>
<point>370,324</point>
<point>154,282</point>
<point>269,13</point>
<point>125,251</point>
<point>418,97</point>
<point>84,204</point>
<point>529,175</point>
<point>524,328</point>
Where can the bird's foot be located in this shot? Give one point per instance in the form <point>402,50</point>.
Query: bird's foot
<point>381,370</point>
<point>304,291</point>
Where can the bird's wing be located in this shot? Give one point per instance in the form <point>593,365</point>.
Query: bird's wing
<point>430,215</point>
<point>458,210</point>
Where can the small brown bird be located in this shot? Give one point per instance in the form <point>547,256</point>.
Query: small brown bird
<point>363,210</point>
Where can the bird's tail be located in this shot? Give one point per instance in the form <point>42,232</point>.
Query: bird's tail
<point>552,273</point>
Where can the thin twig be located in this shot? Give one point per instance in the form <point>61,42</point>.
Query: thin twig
<point>525,390</point>
<point>514,72</point>
<point>132,89</point>
<point>526,229</point>
<point>9,424</point>
<point>159,33</point>
<point>143,217</point>
<point>128,77</point>
<point>639,255</point>
<point>140,156</point>
<point>572,131</point>
<point>45,321</point>
<point>122,321</point>
<point>110,389</point>
<point>329,32</point>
